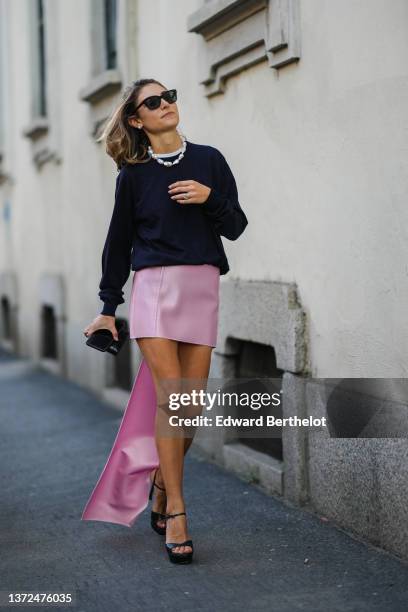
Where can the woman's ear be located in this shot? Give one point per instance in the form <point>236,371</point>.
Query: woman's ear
<point>135,123</point>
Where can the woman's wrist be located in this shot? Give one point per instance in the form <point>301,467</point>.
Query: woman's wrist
<point>108,310</point>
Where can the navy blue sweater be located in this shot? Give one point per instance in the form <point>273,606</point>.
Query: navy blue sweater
<point>148,228</point>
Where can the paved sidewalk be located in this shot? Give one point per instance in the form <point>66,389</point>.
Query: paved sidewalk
<point>250,549</point>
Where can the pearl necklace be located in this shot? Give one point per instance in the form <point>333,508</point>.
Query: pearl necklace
<point>156,156</point>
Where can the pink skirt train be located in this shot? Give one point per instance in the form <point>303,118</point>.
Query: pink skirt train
<point>178,302</point>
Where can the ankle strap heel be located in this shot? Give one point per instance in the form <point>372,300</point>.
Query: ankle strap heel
<point>177,557</point>
<point>154,484</point>
<point>168,516</point>
<point>155,517</point>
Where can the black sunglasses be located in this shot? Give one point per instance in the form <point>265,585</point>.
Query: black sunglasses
<point>153,102</point>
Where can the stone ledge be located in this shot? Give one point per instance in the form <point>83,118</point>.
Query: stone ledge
<point>217,16</point>
<point>101,86</point>
<point>241,33</point>
<point>38,127</point>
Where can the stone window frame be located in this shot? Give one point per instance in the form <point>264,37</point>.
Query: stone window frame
<point>269,313</point>
<point>238,34</point>
<point>43,128</point>
<point>104,81</point>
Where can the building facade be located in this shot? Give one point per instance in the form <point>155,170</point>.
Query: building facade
<point>307,101</point>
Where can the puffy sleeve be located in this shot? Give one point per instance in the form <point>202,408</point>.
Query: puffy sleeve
<point>116,255</point>
<point>222,205</point>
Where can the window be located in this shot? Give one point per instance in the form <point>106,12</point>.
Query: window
<point>256,360</point>
<point>52,301</point>
<point>110,33</point>
<point>105,78</point>
<point>40,100</point>
<point>4,76</point>
<point>49,345</point>
<point>5,318</point>
<point>122,365</point>
<point>42,128</point>
<point>8,311</point>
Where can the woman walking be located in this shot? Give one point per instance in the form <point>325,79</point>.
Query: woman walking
<point>174,199</point>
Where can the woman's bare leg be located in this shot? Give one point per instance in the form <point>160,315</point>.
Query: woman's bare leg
<point>162,358</point>
<point>161,355</point>
<point>195,362</point>
<point>169,359</point>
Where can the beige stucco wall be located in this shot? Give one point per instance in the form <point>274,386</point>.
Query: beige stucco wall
<point>318,150</point>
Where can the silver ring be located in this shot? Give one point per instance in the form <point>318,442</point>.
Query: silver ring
<point>186,196</point>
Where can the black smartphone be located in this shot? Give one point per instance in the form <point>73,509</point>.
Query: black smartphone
<point>123,334</point>
<point>101,339</point>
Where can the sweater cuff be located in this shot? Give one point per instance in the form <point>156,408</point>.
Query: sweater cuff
<point>108,309</point>
<point>213,201</point>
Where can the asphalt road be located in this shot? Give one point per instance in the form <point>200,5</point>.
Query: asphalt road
<point>252,552</point>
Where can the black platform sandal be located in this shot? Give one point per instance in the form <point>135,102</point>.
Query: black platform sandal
<point>177,557</point>
<point>156,516</point>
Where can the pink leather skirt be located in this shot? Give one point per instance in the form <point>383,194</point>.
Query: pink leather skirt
<point>176,302</point>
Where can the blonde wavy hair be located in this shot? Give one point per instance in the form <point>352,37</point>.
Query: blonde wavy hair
<point>123,142</point>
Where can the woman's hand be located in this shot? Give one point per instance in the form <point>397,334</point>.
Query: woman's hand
<point>197,193</point>
<point>102,322</point>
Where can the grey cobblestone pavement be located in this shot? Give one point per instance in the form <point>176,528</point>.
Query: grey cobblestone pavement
<point>250,549</point>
